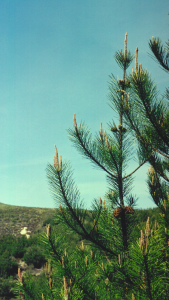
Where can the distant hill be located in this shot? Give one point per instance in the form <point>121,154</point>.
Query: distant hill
<point>13,219</point>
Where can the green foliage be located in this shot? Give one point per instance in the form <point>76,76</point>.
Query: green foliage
<point>50,220</point>
<point>143,214</point>
<point>33,240</point>
<point>5,288</point>
<point>33,255</point>
<point>20,247</point>
<point>7,266</point>
<point>16,246</point>
<point>7,243</point>
<point>33,287</point>
<point>30,288</point>
<point>160,52</point>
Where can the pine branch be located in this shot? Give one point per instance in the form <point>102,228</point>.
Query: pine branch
<point>64,186</point>
<point>82,141</point>
<point>143,140</point>
<point>160,52</point>
<point>148,278</point>
<point>112,156</point>
<point>157,178</point>
<point>139,166</point>
<point>143,87</point>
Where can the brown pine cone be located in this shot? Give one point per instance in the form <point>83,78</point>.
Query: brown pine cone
<point>117,212</point>
<point>129,210</point>
<point>114,129</point>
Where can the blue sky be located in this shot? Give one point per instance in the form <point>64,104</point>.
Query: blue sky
<point>55,60</point>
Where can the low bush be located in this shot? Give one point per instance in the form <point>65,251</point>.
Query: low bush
<point>33,255</point>
<point>50,221</point>
<point>7,243</point>
<point>6,289</point>
<point>21,244</point>
<point>7,266</point>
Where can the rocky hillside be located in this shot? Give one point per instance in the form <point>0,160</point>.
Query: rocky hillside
<point>18,220</point>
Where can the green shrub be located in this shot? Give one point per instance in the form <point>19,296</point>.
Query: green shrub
<point>50,221</point>
<point>34,256</point>
<point>7,266</point>
<point>30,289</point>
<point>33,287</point>
<point>7,242</point>
<point>33,240</point>
<point>16,246</point>
<point>5,289</point>
<point>20,247</point>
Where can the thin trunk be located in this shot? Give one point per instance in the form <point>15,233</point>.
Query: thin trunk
<point>123,221</point>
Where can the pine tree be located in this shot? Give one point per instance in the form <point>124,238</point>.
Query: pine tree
<point>112,262</point>
<point>148,118</point>
<point>152,132</point>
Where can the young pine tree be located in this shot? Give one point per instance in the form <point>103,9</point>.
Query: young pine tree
<point>148,119</point>
<point>111,262</point>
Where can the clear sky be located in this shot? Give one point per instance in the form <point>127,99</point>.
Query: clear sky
<point>55,60</point>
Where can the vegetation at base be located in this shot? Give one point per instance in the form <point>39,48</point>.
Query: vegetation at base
<point>11,246</point>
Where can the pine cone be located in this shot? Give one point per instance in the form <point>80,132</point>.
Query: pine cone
<point>114,129</point>
<point>129,210</point>
<point>121,82</point>
<point>117,212</point>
